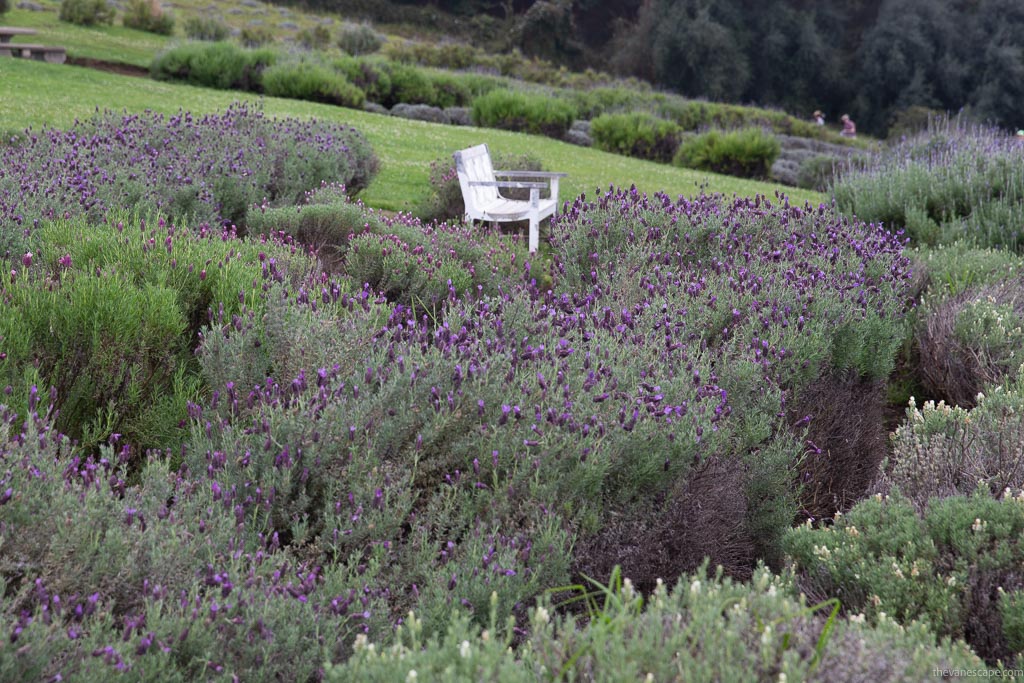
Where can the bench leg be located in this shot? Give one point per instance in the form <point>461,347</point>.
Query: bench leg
<point>534,219</point>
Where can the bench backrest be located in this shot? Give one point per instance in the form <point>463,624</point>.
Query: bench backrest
<point>475,164</point>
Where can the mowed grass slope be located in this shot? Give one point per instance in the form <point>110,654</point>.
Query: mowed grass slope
<point>109,43</point>
<point>35,94</point>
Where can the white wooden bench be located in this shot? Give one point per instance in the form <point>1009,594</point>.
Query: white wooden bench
<point>484,202</point>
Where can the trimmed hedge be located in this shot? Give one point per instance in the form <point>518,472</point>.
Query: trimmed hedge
<point>638,134</point>
<point>747,153</point>
<point>524,112</point>
<point>219,65</point>
<point>313,82</point>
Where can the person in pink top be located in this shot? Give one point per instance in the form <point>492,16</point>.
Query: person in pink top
<point>849,127</point>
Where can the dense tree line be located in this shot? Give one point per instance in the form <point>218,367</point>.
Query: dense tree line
<point>877,60</point>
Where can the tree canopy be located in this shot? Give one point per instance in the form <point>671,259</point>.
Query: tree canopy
<point>872,59</point>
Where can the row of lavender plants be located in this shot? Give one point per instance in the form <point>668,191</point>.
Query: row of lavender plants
<point>410,463</point>
<point>208,169</point>
<point>954,180</point>
<point>939,541</point>
<point>355,449</point>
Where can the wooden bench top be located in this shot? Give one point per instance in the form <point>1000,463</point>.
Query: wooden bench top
<point>8,32</point>
<point>53,54</point>
<point>34,47</point>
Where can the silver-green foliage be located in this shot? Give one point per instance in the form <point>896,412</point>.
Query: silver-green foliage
<point>953,566</point>
<point>707,628</point>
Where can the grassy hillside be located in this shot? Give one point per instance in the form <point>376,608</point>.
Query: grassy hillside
<point>38,94</point>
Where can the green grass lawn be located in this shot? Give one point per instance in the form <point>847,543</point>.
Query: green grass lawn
<point>109,43</point>
<point>128,46</point>
<point>37,94</point>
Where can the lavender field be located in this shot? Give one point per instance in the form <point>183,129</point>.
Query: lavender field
<point>255,430</point>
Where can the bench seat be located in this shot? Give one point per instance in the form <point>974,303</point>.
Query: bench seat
<point>48,53</point>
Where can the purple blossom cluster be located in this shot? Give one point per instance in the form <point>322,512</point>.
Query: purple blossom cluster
<point>210,168</point>
<point>773,284</point>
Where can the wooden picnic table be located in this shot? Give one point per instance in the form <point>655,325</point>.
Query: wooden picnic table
<point>8,32</point>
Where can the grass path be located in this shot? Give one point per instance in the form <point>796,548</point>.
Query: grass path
<point>36,94</point>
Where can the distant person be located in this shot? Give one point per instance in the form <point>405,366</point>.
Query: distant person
<point>819,118</point>
<point>849,127</point>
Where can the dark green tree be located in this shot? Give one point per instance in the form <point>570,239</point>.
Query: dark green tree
<point>547,30</point>
<point>899,60</point>
<point>697,55</point>
<point>997,93</point>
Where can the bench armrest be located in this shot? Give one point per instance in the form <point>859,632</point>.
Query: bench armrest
<point>530,174</point>
<point>507,183</point>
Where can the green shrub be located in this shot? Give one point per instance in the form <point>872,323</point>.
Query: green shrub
<point>116,360</point>
<point>215,65</point>
<point>817,172</point>
<point>125,319</point>
<point>524,112</point>
<point>310,81</point>
<point>256,36</point>
<point>206,28</point>
<point>912,121</point>
<point>450,90</point>
<point>409,85</point>
<point>747,153</point>
<point>639,135</point>
<point>950,269</point>
<point>322,224</point>
<point>148,16</point>
<point>359,39</point>
<point>954,567</point>
<point>371,75</point>
<point>87,12</point>
<point>706,628</point>
<point>942,450</point>
<point>316,38</point>
<point>446,55</point>
<point>594,102</point>
<point>970,340</point>
<point>695,115</point>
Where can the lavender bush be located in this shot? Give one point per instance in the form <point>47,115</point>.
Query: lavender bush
<point>108,316</point>
<point>210,169</point>
<point>769,296</point>
<point>941,450</point>
<point>970,340</point>
<point>501,420</point>
<point>705,628</point>
<point>953,566</point>
<point>441,425</point>
<point>952,181</point>
<point>164,579</point>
